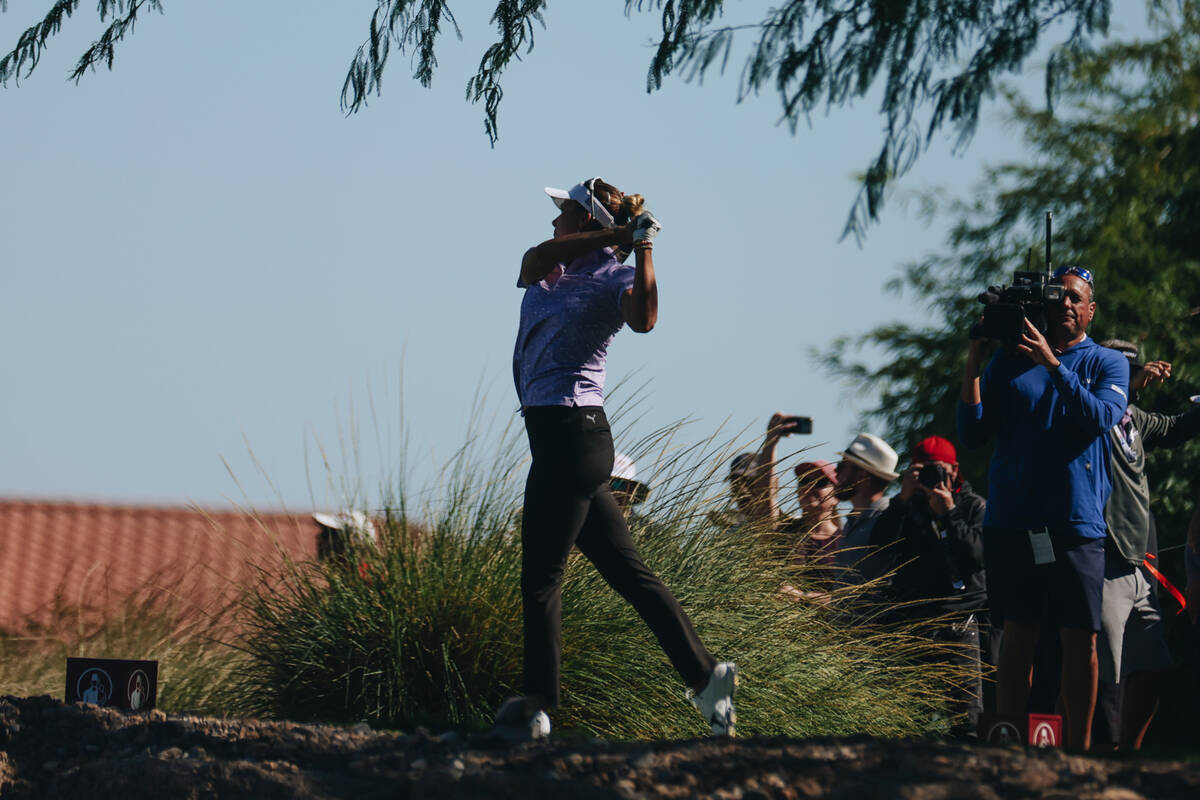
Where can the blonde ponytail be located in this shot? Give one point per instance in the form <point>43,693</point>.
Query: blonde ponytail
<point>632,205</point>
<point>620,205</point>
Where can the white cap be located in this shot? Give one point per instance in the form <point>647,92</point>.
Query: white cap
<point>581,193</point>
<point>353,522</point>
<point>624,468</point>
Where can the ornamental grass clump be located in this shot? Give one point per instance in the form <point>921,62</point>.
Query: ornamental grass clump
<point>425,628</point>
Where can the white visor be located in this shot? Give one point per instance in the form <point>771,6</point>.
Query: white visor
<point>580,194</point>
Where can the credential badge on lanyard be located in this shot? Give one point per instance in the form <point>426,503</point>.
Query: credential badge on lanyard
<point>1043,550</point>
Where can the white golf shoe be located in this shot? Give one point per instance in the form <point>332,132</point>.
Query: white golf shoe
<point>517,720</point>
<point>716,700</point>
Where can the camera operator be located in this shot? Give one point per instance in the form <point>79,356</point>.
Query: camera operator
<point>1049,401</point>
<point>1132,647</point>
<point>933,531</point>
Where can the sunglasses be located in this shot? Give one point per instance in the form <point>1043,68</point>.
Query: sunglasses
<point>1070,269</point>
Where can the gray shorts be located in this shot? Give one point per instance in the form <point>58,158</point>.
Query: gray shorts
<point>1131,630</point>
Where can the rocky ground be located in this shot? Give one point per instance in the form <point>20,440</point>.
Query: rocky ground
<point>55,750</point>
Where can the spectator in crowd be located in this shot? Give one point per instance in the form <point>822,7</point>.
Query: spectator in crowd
<point>932,533</point>
<point>1132,646</point>
<point>1191,556</point>
<point>1049,402</point>
<point>1192,564</point>
<point>336,533</point>
<point>626,489</point>
<point>811,540</point>
<point>818,529</point>
<point>868,465</point>
<point>747,505</point>
<point>753,481</point>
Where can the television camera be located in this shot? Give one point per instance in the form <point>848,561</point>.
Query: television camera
<point>1007,307</point>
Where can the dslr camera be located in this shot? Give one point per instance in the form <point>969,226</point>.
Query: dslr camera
<point>932,476</point>
<point>1007,307</point>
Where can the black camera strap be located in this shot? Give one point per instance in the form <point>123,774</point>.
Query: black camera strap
<point>956,580</point>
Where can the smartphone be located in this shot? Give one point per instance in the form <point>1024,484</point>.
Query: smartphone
<point>800,425</point>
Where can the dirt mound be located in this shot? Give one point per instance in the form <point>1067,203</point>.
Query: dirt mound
<point>55,750</point>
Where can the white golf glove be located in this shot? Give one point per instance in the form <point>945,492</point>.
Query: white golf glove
<point>645,227</point>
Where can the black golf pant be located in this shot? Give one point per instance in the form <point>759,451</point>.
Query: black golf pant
<point>567,503</point>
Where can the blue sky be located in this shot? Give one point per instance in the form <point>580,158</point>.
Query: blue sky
<point>212,275</point>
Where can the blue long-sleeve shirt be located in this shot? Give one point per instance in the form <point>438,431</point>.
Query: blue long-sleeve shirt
<point>1050,465</point>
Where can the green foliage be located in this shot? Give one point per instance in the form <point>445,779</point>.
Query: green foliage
<point>31,43</point>
<point>936,62</point>
<point>943,57</point>
<point>1118,166</point>
<point>426,628</point>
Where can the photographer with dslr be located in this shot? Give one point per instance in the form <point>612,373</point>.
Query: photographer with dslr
<point>932,532</point>
<point>1049,402</point>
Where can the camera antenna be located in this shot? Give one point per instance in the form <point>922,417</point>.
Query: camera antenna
<point>1049,270</point>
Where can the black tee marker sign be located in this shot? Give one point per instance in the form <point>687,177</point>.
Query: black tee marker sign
<point>112,682</point>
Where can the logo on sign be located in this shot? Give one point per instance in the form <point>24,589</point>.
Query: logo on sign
<point>136,689</point>
<point>94,686</point>
<point>1043,735</point>
<point>1004,733</point>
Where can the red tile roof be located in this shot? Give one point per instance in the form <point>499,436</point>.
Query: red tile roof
<point>56,555</point>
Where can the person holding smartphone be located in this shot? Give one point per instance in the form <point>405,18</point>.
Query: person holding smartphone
<point>754,480</point>
<point>578,294</point>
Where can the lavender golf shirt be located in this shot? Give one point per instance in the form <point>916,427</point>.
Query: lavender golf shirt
<point>567,320</point>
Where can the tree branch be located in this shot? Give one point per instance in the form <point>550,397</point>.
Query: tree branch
<point>515,20</point>
<point>124,13</point>
<point>32,42</point>
<point>408,24</point>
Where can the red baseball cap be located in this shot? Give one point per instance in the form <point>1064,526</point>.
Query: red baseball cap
<point>811,471</point>
<point>935,448</point>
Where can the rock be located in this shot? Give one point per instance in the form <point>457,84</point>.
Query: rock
<point>1112,793</point>
<point>627,788</point>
